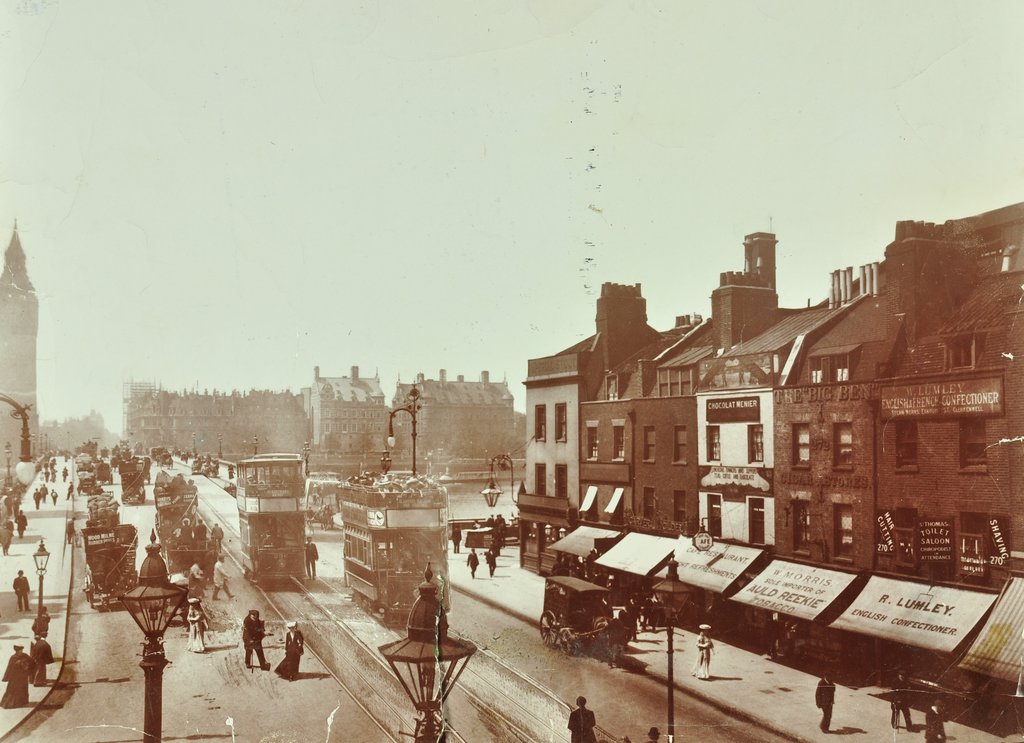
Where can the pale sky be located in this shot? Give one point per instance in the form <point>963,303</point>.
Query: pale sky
<point>230,193</point>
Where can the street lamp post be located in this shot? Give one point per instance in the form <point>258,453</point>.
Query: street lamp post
<point>412,408</point>
<point>194,451</point>
<point>305,456</point>
<point>7,451</point>
<point>492,492</point>
<point>427,662</point>
<point>673,595</point>
<point>220,446</point>
<point>255,445</point>
<point>41,557</point>
<point>25,469</point>
<point>152,604</point>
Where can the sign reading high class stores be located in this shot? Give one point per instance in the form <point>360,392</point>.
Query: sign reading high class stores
<point>937,399</point>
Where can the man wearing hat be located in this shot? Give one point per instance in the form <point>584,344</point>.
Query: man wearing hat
<point>653,735</point>
<point>293,650</point>
<point>253,632</point>
<point>41,655</point>
<point>581,723</point>
<point>19,669</point>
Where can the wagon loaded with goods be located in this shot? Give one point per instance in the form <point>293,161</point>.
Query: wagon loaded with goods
<point>576,614</point>
<point>110,562</point>
<point>133,480</point>
<point>177,519</point>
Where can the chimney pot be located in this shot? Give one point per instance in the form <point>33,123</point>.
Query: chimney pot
<point>355,373</point>
<point>460,378</point>
<point>485,376</point>
<point>442,375</point>
<point>316,373</point>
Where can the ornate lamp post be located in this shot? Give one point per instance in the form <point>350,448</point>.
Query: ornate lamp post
<point>25,470</point>
<point>427,663</point>
<point>41,557</point>
<point>674,595</point>
<point>305,456</point>
<point>255,445</point>
<point>492,492</point>
<point>152,604</point>
<point>411,408</point>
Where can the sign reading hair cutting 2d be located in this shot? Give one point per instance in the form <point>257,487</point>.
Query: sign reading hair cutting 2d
<point>734,409</point>
<point>797,590</point>
<point>939,399</point>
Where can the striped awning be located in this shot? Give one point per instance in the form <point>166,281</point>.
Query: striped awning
<point>585,538</point>
<point>639,554</point>
<point>999,646</point>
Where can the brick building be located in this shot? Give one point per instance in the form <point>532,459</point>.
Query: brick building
<point>348,415</point>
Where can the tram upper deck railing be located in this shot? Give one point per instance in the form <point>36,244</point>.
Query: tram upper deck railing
<point>394,492</point>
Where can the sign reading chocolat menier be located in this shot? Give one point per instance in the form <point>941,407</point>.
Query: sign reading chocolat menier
<point>733,409</point>
<point>934,399</point>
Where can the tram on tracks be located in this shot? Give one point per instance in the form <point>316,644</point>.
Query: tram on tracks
<point>271,515</point>
<point>394,527</point>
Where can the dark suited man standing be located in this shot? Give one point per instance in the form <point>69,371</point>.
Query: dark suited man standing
<point>581,723</point>
<point>312,555</point>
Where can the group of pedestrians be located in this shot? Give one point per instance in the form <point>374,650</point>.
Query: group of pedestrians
<point>253,633</point>
<point>490,557</point>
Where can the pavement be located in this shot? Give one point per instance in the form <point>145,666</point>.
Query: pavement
<point>774,696</point>
<point>49,524</point>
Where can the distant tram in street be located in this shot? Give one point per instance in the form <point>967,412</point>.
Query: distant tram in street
<point>271,516</point>
<point>393,530</point>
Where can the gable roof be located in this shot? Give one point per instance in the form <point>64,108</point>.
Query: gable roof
<point>782,333</point>
<point>343,388</point>
<point>988,303</point>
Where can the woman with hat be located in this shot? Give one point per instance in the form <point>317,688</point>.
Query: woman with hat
<point>293,650</point>
<point>19,668</point>
<point>196,626</point>
<point>704,649</point>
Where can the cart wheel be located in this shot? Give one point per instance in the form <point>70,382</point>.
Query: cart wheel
<point>549,629</point>
<point>569,641</point>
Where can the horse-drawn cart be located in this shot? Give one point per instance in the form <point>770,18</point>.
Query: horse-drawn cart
<point>110,562</point>
<point>576,614</point>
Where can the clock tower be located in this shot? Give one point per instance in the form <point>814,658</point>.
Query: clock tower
<point>19,326</point>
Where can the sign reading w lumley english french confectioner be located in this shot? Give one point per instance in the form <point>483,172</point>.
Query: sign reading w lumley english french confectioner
<point>936,399</point>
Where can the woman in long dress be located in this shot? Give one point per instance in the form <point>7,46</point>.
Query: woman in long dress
<point>702,669</point>
<point>196,626</point>
<point>294,647</point>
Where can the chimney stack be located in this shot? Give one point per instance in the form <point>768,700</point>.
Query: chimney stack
<point>316,373</point>
<point>420,378</point>
<point>874,279</point>
<point>442,375</point>
<point>485,377</point>
<point>355,373</point>
<point>460,378</point>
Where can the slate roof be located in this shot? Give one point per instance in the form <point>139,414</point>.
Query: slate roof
<point>986,306</point>
<point>343,388</point>
<point>785,330</point>
<point>457,393</point>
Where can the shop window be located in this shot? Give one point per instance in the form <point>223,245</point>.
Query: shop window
<point>801,525</point>
<point>649,441</point>
<point>591,442</point>
<point>619,441</point>
<point>561,481</point>
<point>714,442</point>
<point>972,442</point>
<point>649,504</point>
<point>905,534</point>
<point>755,442</point>
<point>973,532</point>
<point>755,519</point>
<point>906,443</point>
<point>714,515</point>
<point>801,444</point>
<point>540,479</point>
<point>679,445</point>
<point>679,506</point>
<point>561,422</point>
<point>842,445</point>
<point>843,530</point>
<point>540,422</point>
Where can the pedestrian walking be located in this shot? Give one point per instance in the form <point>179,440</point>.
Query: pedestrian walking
<point>196,619</point>
<point>53,494</point>
<point>21,590</point>
<point>628,619</point>
<point>41,655</point>
<point>253,632</point>
<point>492,562</point>
<point>653,735</point>
<point>824,698</point>
<point>69,532</point>
<point>217,535</point>
<point>294,647</point>
<point>900,702</point>
<point>6,535</point>
<point>473,561</point>
<point>312,555</point>
<point>581,723</point>
<point>22,521</point>
<point>702,668</point>
<point>36,497</point>
<point>615,633</point>
<point>934,727</point>
<point>19,670</point>
<point>41,624</point>
<point>195,581</point>
<point>71,492</point>
<point>456,538</point>
<point>220,578</point>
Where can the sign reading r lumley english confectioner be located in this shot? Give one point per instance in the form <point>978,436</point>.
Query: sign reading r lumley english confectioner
<point>934,399</point>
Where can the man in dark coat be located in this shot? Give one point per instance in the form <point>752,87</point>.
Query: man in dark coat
<point>492,561</point>
<point>901,702</point>
<point>41,625</point>
<point>581,723</point>
<point>456,538</point>
<point>22,521</point>
<point>21,589</point>
<point>41,655</point>
<point>253,632</point>
<point>294,647</point>
<point>473,561</point>
<point>312,555</point>
<point>19,670</point>
<point>824,698</point>
<point>934,728</point>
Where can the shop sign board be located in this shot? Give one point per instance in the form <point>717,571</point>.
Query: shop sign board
<point>800,591</point>
<point>885,541</point>
<point>734,409</point>
<point>935,540</point>
<point>967,397</point>
<point>717,477</point>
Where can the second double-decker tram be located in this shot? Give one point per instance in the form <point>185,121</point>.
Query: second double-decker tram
<point>271,520</point>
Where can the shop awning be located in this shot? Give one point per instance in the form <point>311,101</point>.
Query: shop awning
<point>639,554</point>
<point>800,591</point>
<point>930,617</point>
<point>614,502</point>
<point>582,539</point>
<point>588,499</point>
<point>714,570</point>
<point>998,649</point>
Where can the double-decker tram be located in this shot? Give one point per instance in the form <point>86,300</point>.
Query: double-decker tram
<point>271,519</point>
<point>394,528</point>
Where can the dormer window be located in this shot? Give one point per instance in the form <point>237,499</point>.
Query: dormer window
<point>611,387</point>
<point>962,352</point>
<point>1009,258</point>
<point>831,368</point>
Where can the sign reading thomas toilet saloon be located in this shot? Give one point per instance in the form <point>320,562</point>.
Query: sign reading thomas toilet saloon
<point>797,590</point>
<point>935,540</point>
<point>930,617</point>
<point>938,399</point>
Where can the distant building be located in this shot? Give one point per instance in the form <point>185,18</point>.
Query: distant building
<point>457,418</point>
<point>348,415</point>
<point>19,326</point>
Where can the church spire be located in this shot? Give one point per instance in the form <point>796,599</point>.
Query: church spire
<point>15,272</point>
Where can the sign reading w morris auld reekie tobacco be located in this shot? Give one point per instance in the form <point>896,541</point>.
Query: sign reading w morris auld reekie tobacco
<point>935,399</point>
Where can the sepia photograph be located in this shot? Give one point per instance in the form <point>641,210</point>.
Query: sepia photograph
<point>511,371</point>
